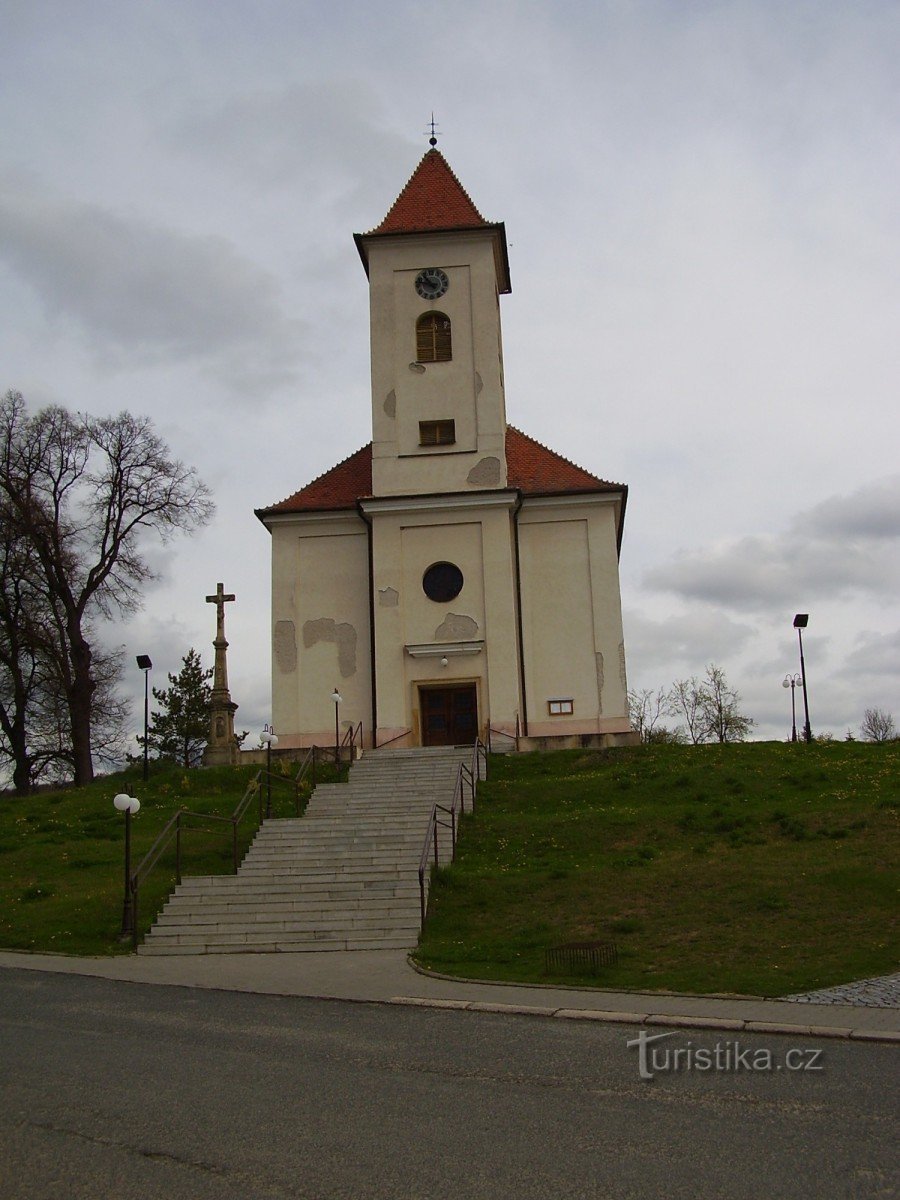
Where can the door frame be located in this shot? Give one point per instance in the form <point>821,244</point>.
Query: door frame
<point>447,685</point>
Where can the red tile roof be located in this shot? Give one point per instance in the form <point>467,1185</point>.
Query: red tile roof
<point>533,469</point>
<point>537,471</point>
<point>432,199</point>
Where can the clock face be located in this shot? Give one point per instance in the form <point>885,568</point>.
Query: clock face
<point>431,283</point>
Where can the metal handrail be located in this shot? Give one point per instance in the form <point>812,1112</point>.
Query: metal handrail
<point>513,737</point>
<point>381,745</point>
<point>470,775</point>
<point>172,829</point>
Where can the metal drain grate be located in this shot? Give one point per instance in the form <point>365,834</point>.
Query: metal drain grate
<point>575,958</point>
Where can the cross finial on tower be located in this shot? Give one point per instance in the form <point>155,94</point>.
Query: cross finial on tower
<point>432,141</point>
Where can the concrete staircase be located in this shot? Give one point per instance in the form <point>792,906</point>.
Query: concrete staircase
<point>342,877</point>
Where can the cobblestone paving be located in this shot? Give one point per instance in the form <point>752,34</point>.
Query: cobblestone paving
<point>883,992</point>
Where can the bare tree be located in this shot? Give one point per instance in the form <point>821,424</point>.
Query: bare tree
<point>686,702</point>
<point>645,708</point>
<point>723,719</point>
<point>24,658</point>
<point>82,491</point>
<point>877,726</point>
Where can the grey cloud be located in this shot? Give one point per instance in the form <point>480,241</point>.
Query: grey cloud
<point>874,654</point>
<point>684,640</point>
<point>834,550</point>
<point>138,292</point>
<point>872,511</point>
<point>331,131</point>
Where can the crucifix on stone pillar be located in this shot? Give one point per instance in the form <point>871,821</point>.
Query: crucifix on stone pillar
<point>221,747</point>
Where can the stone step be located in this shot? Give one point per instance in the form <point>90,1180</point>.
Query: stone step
<point>320,910</point>
<point>278,946</point>
<point>343,876</point>
<point>238,885</point>
<point>244,930</point>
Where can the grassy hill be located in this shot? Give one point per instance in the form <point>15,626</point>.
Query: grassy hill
<point>62,857</point>
<point>762,868</point>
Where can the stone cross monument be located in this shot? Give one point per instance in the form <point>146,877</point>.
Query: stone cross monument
<point>222,747</point>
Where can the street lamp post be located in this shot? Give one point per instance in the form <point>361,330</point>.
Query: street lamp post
<point>143,661</point>
<point>268,738</point>
<point>791,681</point>
<point>801,620</point>
<point>337,697</point>
<point>128,805</point>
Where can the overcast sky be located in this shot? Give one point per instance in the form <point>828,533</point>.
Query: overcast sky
<point>701,201</point>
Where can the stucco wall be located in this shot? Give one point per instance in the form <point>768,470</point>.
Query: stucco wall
<point>476,631</point>
<point>320,627</point>
<point>571,616</point>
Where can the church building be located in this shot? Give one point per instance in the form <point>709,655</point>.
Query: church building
<point>453,578</point>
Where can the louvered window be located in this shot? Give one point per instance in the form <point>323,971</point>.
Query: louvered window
<point>433,342</point>
<point>437,433</point>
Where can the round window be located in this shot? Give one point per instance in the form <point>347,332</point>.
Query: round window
<point>442,581</point>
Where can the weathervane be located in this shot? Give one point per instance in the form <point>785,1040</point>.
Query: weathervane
<point>432,141</point>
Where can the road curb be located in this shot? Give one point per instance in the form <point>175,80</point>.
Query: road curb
<point>668,1020</point>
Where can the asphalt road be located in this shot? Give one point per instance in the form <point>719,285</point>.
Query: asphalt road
<point>123,1090</point>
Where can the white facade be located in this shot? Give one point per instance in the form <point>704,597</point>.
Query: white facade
<point>468,587</point>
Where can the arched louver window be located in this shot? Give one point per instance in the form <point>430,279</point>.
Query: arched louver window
<point>433,342</point>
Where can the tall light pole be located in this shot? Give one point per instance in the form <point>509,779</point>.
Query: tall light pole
<point>337,697</point>
<point>128,805</point>
<point>801,620</point>
<point>791,681</point>
<point>143,661</point>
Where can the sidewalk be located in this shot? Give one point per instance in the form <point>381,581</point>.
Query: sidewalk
<point>386,976</point>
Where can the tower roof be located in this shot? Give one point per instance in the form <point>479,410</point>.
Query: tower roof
<point>432,199</point>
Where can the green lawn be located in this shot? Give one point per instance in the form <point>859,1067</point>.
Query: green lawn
<point>761,868</point>
<point>62,853</point>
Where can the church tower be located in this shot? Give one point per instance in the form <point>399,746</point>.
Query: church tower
<point>455,578</point>
<point>436,272</point>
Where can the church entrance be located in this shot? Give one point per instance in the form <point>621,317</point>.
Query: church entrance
<point>449,715</point>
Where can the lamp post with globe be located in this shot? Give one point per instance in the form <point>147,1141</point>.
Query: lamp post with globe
<point>128,805</point>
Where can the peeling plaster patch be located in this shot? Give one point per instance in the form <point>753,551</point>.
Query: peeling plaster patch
<point>342,634</point>
<point>285,646</point>
<point>388,597</point>
<point>622,667</point>
<point>390,403</point>
<point>599,657</point>
<point>456,628</point>
<point>479,384</point>
<point>485,472</point>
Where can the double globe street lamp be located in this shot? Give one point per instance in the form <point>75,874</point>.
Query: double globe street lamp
<point>792,682</point>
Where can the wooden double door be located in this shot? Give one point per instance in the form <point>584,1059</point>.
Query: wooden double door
<point>449,715</point>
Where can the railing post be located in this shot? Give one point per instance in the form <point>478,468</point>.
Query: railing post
<point>134,913</point>
<point>234,844</point>
<point>178,849</point>
<point>436,862</point>
<point>422,896</point>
